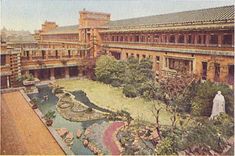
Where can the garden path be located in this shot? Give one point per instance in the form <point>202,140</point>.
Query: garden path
<point>109,138</point>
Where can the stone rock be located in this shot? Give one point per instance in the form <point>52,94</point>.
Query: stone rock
<point>85,142</point>
<point>69,136</point>
<point>154,134</point>
<point>62,132</point>
<point>79,133</point>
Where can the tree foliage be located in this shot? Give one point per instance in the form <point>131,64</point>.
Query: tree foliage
<point>135,76</point>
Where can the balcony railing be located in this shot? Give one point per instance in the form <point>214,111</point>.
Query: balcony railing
<point>169,43</point>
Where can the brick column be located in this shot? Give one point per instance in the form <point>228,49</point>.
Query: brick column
<point>36,73</point>
<point>66,72</point>
<point>176,38</point>
<point>220,39</point>
<point>196,38</point>
<point>52,74</point>
<point>8,82</point>
<point>207,39</point>
<point>123,56</point>
<point>167,38</point>
<point>30,55</point>
<point>185,38</point>
<point>154,63</point>
<point>46,54</point>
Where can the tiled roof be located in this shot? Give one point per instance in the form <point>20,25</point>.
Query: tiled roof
<point>17,36</point>
<point>203,15</point>
<point>64,30</point>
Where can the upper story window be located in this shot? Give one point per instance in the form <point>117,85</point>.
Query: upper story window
<point>172,39</point>
<point>141,38</point>
<point>126,38</point>
<point>227,39</point>
<point>137,39</point>
<point>156,38</point>
<point>121,38</point>
<point>117,38</point>
<point>113,38</point>
<point>3,60</point>
<point>148,39</point>
<point>214,39</point>
<point>190,39</point>
<point>181,39</point>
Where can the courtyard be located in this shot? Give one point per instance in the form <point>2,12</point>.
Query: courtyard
<point>113,99</point>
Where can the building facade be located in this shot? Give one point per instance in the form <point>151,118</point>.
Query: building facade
<point>200,42</point>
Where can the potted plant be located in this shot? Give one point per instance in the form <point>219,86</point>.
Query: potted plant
<point>48,117</point>
<point>34,103</point>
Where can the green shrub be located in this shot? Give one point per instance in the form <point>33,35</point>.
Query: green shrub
<point>198,99</point>
<point>166,147</point>
<point>49,115</point>
<point>116,83</point>
<point>130,91</point>
<point>205,94</point>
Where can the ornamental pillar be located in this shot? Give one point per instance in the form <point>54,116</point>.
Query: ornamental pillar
<point>52,74</point>
<point>30,55</point>
<point>207,39</point>
<point>220,39</point>
<point>8,82</point>
<point>66,72</point>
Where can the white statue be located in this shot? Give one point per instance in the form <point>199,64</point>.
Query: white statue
<point>218,105</point>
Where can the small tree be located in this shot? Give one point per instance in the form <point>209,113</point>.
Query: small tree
<point>156,113</point>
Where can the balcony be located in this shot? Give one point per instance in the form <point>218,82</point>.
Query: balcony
<point>222,47</point>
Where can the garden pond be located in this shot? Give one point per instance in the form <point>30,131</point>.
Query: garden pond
<point>59,122</point>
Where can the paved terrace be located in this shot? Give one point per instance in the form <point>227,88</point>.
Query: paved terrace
<point>22,131</point>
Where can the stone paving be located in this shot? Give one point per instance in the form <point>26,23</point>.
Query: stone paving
<point>22,131</point>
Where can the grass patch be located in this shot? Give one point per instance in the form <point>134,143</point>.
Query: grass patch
<point>112,98</point>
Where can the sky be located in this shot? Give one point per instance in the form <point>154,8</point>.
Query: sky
<point>30,14</point>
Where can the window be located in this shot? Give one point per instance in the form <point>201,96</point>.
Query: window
<point>214,39</point>
<point>141,38</point>
<point>231,74</point>
<point>126,38</point>
<point>69,53</point>
<point>157,58</point>
<point>56,54</point>
<point>126,55</point>
<point>217,72</point>
<point>3,60</point>
<point>172,39</point>
<point>113,38</point>
<point>117,38</point>
<point>144,56</point>
<point>227,39</point>
<point>156,38</point>
<point>148,39</point>
<point>138,56</point>
<point>181,39</point>
<point>136,38</point>
<point>190,39</point>
<point>204,70</point>
<point>121,38</point>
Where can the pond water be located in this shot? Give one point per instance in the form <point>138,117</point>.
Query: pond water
<point>59,121</point>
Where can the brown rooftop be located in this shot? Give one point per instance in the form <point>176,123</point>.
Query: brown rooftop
<point>22,132</point>
<point>203,15</point>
